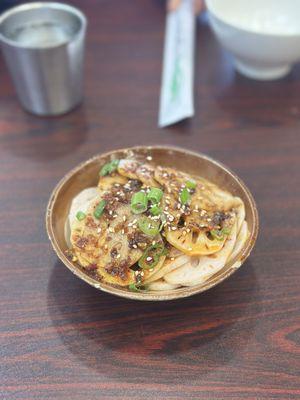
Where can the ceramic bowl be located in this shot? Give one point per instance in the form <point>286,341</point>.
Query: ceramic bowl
<point>262,35</point>
<point>86,175</point>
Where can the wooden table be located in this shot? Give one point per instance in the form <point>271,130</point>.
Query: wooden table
<point>60,338</point>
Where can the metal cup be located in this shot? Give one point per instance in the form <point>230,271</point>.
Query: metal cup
<point>43,45</point>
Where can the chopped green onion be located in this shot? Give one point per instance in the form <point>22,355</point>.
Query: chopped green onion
<point>155,195</point>
<point>139,203</point>
<point>163,221</point>
<point>226,231</point>
<point>80,215</point>
<point>151,256</point>
<point>99,209</point>
<point>155,210</point>
<point>133,287</point>
<point>191,184</point>
<point>148,226</point>
<point>109,167</point>
<point>219,234</point>
<point>185,196</point>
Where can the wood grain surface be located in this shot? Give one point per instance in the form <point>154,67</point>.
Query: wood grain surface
<point>60,338</point>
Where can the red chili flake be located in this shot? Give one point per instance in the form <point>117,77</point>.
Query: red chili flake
<point>91,267</point>
<point>82,242</point>
<point>90,223</point>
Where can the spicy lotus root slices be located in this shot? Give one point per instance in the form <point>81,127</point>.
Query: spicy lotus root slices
<point>199,216</point>
<point>110,244</point>
<point>199,269</point>
<point>134,169</point>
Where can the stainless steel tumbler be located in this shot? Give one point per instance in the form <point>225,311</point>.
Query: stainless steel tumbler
<point>43,45</point>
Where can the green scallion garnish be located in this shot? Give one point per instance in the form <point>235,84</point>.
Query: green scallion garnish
<point>219,234</point>
<point>155,195</point>
<point>185,196</point>
<point>148,226</point>
<point>155,210</point>
<point>109,167</point>
<point>99,209</point>
<point>191,184</point>
<point>80,215</point>
<point>139,203</point>
<point>133,287</point>
<point>151,256</point>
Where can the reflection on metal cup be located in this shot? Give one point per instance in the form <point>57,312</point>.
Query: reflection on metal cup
<point>43,45</point>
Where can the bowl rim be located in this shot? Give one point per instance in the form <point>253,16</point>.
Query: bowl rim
<point>212,10</point>
<point>151,295</point>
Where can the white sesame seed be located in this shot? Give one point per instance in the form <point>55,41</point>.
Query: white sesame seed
<point>190,249</point>
<point>172,258</point>
<point>124,218</point>
<point>149,259</point>
<point>148,158</point>
<point>134,246</point>
<point>174,228</point>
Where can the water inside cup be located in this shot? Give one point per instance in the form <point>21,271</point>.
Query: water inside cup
<point>42,34</point>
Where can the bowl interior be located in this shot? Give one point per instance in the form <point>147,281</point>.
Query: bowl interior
<point>265,17</point>
<point>86,175</point>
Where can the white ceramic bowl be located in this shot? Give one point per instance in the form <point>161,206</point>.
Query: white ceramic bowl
<point>262,35</point>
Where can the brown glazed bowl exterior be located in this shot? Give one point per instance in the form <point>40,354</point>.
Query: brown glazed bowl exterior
<point>86,175</point>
